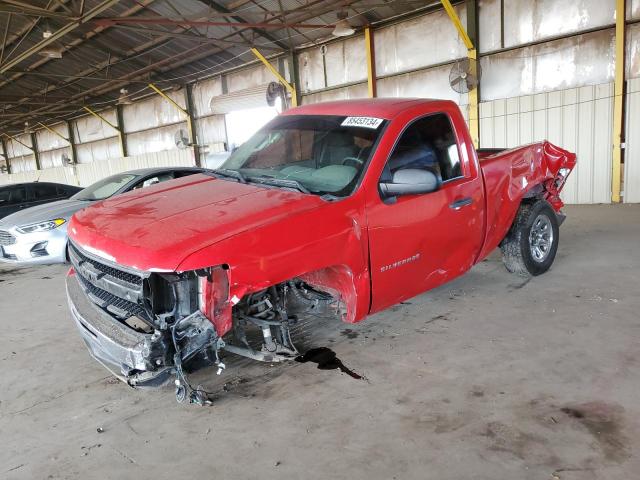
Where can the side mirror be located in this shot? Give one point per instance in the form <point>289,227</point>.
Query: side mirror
<point>410,181</point>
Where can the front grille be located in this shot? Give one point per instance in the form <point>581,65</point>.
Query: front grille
<point>113,303</point>
<point>106,269</point>
<point>115,290</point>
<point>6,238</point>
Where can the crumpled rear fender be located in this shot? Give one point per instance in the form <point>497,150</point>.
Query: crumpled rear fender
<point>538,170</point>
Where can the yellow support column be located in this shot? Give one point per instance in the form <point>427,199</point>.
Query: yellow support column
<point>618,102</point>
<point>290,88</point>
<point>474,122</point>
<point>371,62</point>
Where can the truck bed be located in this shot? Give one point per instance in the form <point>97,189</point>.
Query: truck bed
<point>511,175</point>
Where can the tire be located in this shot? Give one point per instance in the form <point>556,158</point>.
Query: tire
<point>530,246</point>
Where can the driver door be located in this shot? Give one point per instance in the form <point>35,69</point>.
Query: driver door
<point>420,241</point>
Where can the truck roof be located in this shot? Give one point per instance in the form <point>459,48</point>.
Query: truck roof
<point>386,108</point>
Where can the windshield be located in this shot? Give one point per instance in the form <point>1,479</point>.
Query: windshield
<point>321,154</point>
<point>104,188</point>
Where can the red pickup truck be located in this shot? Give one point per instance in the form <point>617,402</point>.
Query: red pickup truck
<point>350,207</point>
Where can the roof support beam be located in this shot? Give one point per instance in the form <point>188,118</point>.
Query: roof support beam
<point>188,36</point>
<point>220,8</point>
<point>97,10</point>
<point>618,104</point>
<point>108,22</point>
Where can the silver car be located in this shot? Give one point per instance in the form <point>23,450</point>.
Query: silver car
<point>38,235</point>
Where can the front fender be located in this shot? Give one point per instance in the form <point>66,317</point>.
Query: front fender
<point>326,248</point>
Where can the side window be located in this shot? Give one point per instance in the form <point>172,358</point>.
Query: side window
<point>428,143</point>
<point>44,191</point>
<point>13,196</point>
<point>63,191</point>
<point>153,180</point>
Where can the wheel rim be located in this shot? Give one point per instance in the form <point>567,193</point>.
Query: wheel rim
<point>541,238</point>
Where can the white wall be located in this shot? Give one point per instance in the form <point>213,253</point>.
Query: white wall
<point>578,119</point>
<point>631,185</point>
<point>88,173</point>
<point>553,89</point>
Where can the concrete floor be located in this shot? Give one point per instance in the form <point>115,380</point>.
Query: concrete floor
<point>489,377</point>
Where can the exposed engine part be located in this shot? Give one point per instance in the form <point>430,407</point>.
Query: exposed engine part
<point>272,312</point>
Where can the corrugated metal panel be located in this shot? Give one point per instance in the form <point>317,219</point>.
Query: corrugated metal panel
<point>578,119</point>
<point>212,133</point>
<point>489,25</point>
<point>156,139</point>
<point>253,97</point>
<point>345,93</point>
<point>346,61</point>
<point>86,174</point>
<point>57,175</point>
<point>153,112</point>
<point>54,158</point>
<point>92,172</point>
<point>17,148</point>
<point>429,83</point>
<point>90,128</point>
<point>49,141</point>
<point>98,150</point>
<point>632,152</point>
<point>571,62</point>
<point>419,42</point>
<point>633,51</point>
<point>23,164</point>
<point>203,92</point>
<point>527,21</point>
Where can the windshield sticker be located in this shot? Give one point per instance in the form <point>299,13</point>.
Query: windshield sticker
<point>364,122</point>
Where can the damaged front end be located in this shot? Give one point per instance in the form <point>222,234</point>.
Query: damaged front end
<point>147,328</point>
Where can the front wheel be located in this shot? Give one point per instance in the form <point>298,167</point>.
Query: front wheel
<point>530,246</point>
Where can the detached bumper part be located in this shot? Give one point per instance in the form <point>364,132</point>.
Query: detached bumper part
<point>139,359</point>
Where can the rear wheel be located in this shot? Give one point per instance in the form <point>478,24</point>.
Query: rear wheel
<point>530,246</point>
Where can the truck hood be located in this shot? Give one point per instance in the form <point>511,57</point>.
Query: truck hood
<point>41,213</point>
<point>156,228</point>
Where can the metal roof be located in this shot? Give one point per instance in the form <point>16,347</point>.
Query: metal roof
<point>107,45</point>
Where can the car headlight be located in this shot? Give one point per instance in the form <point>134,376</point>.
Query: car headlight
<point>42,226</point>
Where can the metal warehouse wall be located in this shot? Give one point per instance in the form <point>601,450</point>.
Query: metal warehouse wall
<point>631,185</point>
<point>579,119</point>
<point>547,73</point>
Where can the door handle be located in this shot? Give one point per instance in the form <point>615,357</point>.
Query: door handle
<point>463,202</point>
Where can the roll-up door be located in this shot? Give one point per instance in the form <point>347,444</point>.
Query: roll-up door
<point>253,97</point>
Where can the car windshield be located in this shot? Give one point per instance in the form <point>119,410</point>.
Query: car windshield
<point>104,188</point>
<point>320,154</point>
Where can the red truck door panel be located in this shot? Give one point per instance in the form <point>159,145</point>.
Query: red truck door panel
<point>418,242</point>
